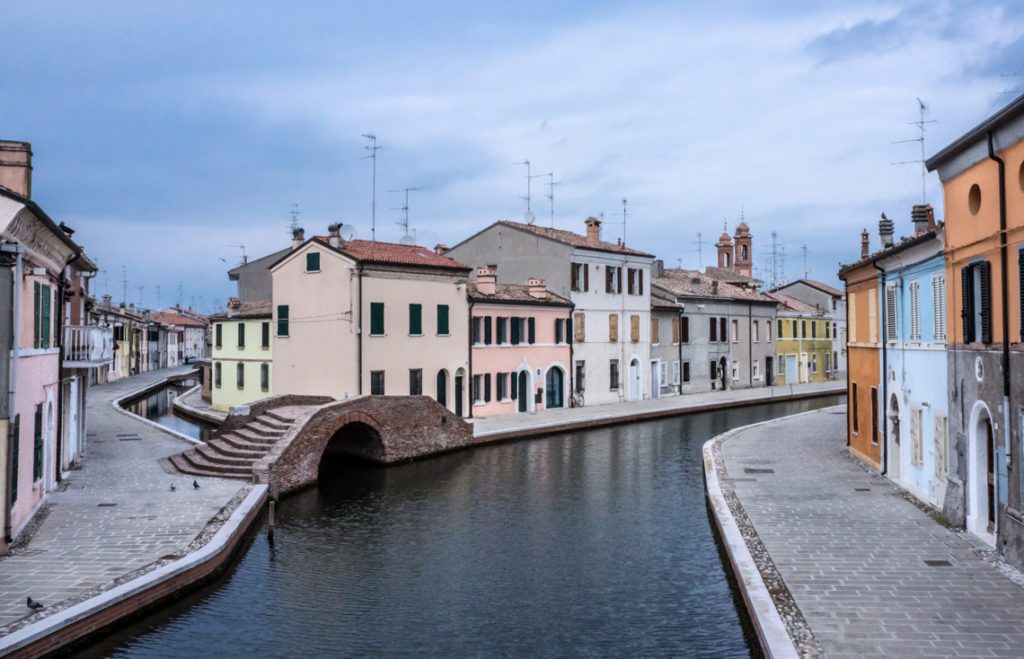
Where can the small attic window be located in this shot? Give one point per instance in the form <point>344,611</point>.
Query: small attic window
<point>312,261</point>
<point>974,199</point>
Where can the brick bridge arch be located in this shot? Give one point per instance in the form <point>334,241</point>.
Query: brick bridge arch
<point>381,429</point>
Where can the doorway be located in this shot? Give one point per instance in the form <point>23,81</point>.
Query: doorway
<point>655,378</point>
<point>982,488</point>
<point>769,376</point>
<point>554,382</point>
<point>442,388</point>
<point>459,378</point>
<point>791,370</point>
<point>523,390</point>
<point>892,417</point>
<point>635,384</point>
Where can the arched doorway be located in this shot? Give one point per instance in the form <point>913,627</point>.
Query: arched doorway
<point>460,387</point>
<point>442,388</point>
<point>636,387</point>
<point>892,418</point>
<point>981,476</point>
<point>353,441</point>
<point>554,382</point>
<point>523,390</point>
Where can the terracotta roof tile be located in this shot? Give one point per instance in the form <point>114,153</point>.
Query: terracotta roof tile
<point>369,251</point>
<point>176,319</point>
<point>694,282</point>
<point>573,239</point>
<point>515,294</point>
<point>793,304</point>
<point>257,309</point>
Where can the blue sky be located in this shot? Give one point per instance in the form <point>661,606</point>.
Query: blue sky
<point>169,133</point>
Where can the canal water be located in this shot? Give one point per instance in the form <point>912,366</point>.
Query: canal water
<point>156,406</point>
<point>593,543</point>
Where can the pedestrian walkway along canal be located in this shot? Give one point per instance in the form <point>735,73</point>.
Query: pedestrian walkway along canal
<point>595,542</point>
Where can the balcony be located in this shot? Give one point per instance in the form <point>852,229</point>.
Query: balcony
<point>88,346</point>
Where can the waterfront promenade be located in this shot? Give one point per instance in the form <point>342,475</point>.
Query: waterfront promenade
<point>115,516</point>
<point>854,567</point>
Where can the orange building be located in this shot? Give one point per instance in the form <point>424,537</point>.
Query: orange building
<point>863,358</point>
<point>982,175</point>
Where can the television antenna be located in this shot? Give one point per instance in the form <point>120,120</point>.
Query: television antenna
<point>700,250</point>
<point>920,123</point>
<point>141,288</point>
<point>293,222</point>
<point>528,216</point>
<point>124,285</point>
<point>372,148</point>
<point>803,249</point>
<point>404,222</point>
<point>551,196</point>
<point>532,217</point>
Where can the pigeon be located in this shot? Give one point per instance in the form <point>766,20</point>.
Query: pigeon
<point>32,604</point>
<point>173,488</point>
<point>195,484</point>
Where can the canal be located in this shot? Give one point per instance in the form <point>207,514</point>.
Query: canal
<point>592,543</point>
<point>156,406</point>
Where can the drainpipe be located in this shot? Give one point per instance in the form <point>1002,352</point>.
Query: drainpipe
<point>846,312</point>
<point>59,336</point>
<point>359,333</point>
<point>469,343</point>
<point>679,345</point>
<point>884,407</point>
<point>750,343</point>
<point>19,251</point>
<point>572,362</point>
<point>1004,297</point>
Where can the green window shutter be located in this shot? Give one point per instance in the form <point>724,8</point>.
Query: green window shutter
<point>312,261</point>
<point>45,340</point>
<point>266,335</point>
<point>376,318</point>
<point>986,301</point>
<point>35,316</point>
<point>416,319</point>
<point>531,330</point>
<point>37,444</point>
<point>282,320</point>
<point>442,319</point>
<point>219,333</point>
<point>241,335</point>
<point>487,330</point>
<point>15,442</point>
<point>515,326</point>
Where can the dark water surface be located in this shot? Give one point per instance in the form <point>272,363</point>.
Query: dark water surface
<point>590,543</point>
<point>157,407</point>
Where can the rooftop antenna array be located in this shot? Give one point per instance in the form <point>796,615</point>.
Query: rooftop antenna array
<point>700,248</point>
<point>124,285</point>
<point>372,148</point>
<point>158,295</point>
<point>407,239</point>
<point>774,261</point>
<point>141,288</point>
<point>293,222</point>
<point>528,216</point>
<point>106,283</point>
<point>181,294</point>
<point>551,196</point>
<point>532,217</point>
<point>803,249</point>
<point>920,123</point>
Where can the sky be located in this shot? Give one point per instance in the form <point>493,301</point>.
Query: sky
<point>170,134</point>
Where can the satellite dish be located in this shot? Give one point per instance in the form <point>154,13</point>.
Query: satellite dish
<point>407,240</point>
<point>348,232</point>
<point>529,217</point>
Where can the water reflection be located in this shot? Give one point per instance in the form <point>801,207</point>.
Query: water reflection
<point>157,407</point>
<point>590,543</point>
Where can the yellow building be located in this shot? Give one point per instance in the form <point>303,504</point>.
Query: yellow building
<point>803,342</point>
<point>241,354</point>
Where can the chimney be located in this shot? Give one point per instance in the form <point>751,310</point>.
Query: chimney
<point>234,303</point>
<point>487,280</point>
<point>440,248</point>
<point>658,268</point>
<point>107,300</point>
<point>334,235</point>
<point>865,245</point>
<point>298,237</point>
<point>537,289</point>
<point>16,167</point>
<point>593,231</point>
<point>923,216</point>
<point>714,287</point>
<point>885,231</point>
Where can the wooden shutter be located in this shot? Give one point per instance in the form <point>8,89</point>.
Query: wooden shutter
<point>967,302</point>
<point>218,332</point>
<point>618,280</point>
<point>559,326</point>
<point>377,318</point>
<point>915,311</point>
<point>240,375</point>
<point>37,444</point>
<point>531,330</point>
<point>416,319</point>
<point>675,329</point>
<point>873,315</point>
<point>1020,290</point>
<point>940,444</point>
<point>723,332</point>
<point>655,330</point>
<point>634,328</point>
<point>608,274</point>
<point>265,377</point>
<point>684,329</point>
<point>574,276</point>
<point>515,329</point>
<point>514,386</point>
<point>442,319</point>
<point>613,327</point>
<point>35,314</point>
<point>586,276</point>
<point>265,338</point>
<point>936,314</point>
<point>282,320</point>
<point>241,335</point>
<point>579,327</point>
<point>712,330</point>
<point>984,272</point>
<point>45,341</point>
<point>640,276</point>
<point>487,388</point>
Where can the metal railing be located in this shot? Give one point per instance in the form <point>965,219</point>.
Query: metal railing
<point>88,345</point>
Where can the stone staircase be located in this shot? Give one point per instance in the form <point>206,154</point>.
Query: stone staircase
<point>233,453</point>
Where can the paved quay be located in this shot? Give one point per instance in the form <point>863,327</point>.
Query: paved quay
<point>871,574</point>
<point>553,419</point>
<point>115,515</point>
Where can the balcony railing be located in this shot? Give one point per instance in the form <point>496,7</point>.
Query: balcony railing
<point>88,346</point>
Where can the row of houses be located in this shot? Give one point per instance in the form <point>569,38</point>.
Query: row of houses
<point>542,318</point>
<point>936,340</point>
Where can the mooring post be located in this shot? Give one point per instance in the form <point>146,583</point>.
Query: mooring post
<point>270,517</point>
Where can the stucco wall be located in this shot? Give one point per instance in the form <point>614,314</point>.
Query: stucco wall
<point>519,256</point>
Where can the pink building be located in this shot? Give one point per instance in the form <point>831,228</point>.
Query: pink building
<point>521,346</point>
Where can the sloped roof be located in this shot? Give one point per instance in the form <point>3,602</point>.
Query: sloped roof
<point>695,283</point>
<point>572,239</point>
<point>904,243</point>
<point>370,251</point>
<point>792,304</point>
<point>515,294</point>
<point>176,319</point>
<point>264,263</point>
<point>730,276</point>
<point>257,309</point>
<point>813,283</point>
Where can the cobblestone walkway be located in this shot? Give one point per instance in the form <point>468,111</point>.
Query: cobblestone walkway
<point>871,573</point>
<point>117,514</point>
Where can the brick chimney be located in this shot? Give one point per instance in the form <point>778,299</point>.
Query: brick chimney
<point>487,280</point>
<point>334,235</point>
<point>885,231</point>
<point>865,244</point>
<point>923,216</point>
<point>298,237</point>
<point>593,231</point>
<point>16,167</point>
<point>537,289</point>
<point>440,248</point>
<point>107,299</point>
<point>657,269</point>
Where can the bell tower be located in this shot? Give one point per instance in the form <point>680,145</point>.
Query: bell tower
<point>744,249</point>
<point>726,256</point>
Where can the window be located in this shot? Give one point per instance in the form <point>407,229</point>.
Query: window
<point>442,320</point>
<point>581,376</point>
<point>735,331</point>
<point>282,320</point>
<point>515,326</point>
<point>415,381</point>
<point>265,331</point>
<point>613,327</point>
<point>874,415</point>
<point>803,329</point>
<point>216,374</point>
<point>631,281</point>
<point>779,333</point>
<point>240,375</point>
<point>768,330</point>
<point>712,330</point>
<point>757,370</point>
<point>655,330</point>
<point>42,320</point>
<point>487,387</point>
<point>664,373</point>
<point>755,329</point>
<point>814,329</point>
<point>559,330</point>
<point>501,327</point>
<point>723,331</point>
<point>915,311</point>
<point>613,375</point>
<point>634,328</point>
<point>855,416</point>
<point>713,370</point>
<point>916,448</point>
<point>828,364</point>
<point>264,377</point>
<point>675,372</point>
<point>478,324</point>
<point>939,307</point>
<point>416,320</point>
<point>814,362</point>
<point>735,370</point>
<point>675,329</point>
<point>579,327</point>
<point>377,383</point>
<point>686,371</point>
<point>37,443</point>
<point>241,335</point>
<point>580,277</point>
<point>501,384</point>
<point>890,314</point>
<point>312,261</point>
<point>218,335</point>
<point>612,279</point>
<point>478,389</point>
<point>794,328</point>
<point>827,334</point>
<point>531,330</point>
<point>941,430</point>
<point>376,319</point>
<point>684,329</point>
<point>834,335</point>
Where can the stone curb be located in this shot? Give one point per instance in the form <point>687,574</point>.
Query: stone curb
<point>179,404</point>
<point>116,404</point>
<point>772,633</point>
<point>218,550</point>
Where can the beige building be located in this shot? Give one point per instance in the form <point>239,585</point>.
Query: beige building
<point>241,361</point>
<point>360,317</point>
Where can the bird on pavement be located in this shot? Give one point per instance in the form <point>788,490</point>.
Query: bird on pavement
<point>32,604</point>
<point>195,484</point>
<point>173,488</point>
